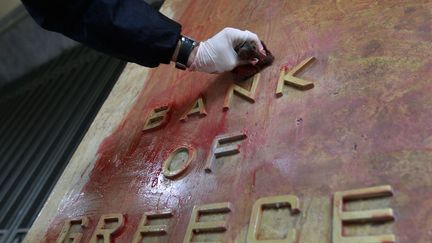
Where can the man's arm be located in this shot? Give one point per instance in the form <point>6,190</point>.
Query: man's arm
<point>128,29</point>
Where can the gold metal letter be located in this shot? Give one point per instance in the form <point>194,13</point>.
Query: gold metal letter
<point>247,94</point>
<point>65,236</point>
<point>157,118</point>
<point>197,109</point>
<point>144,229</point>
<point>218,151</point>
<point>340,216</point>
<point>274,202</point>
<point>102,232</point>
<point>288,78</point>
<point>198,227</point>
<point>167,172</point>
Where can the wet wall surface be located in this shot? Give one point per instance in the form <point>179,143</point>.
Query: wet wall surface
<point>367,122</point>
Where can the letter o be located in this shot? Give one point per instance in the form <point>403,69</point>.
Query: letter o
<point>181,159</point>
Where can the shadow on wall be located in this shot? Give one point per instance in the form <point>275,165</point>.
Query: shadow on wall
<point>25,46</point>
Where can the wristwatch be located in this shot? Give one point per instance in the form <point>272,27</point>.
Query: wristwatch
<point>186,46</point>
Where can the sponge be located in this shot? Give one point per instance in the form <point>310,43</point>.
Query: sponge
<point>248,51</point>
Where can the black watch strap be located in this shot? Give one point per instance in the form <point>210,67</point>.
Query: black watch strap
<point>186,47</point>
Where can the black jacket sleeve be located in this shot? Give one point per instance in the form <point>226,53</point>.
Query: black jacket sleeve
<point>128,29</point>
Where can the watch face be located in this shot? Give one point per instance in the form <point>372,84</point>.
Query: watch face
<point>186,48</point>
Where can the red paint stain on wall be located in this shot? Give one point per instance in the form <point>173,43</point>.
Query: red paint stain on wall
<point>355,97</point>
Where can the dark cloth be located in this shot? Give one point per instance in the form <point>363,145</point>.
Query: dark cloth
<point>248,51</point>
<point>128,29</point>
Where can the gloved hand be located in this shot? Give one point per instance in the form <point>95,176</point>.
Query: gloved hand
<point>217,54</point>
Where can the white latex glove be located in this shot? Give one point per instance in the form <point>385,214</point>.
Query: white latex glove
<point>217,54</point>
